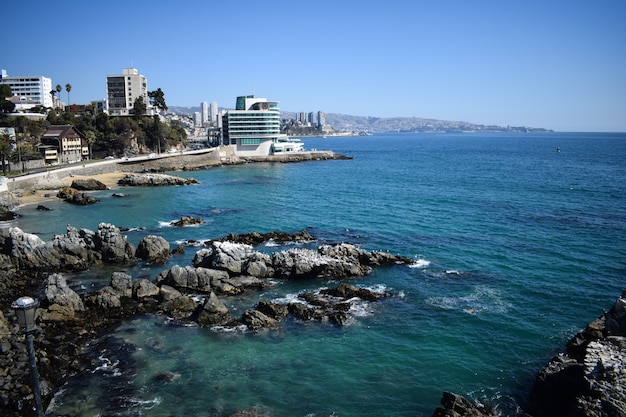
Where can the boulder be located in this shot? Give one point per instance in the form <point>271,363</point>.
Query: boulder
<point>589,379</point>
<point>143,288</point>
<point>58,292</point>
<point>88,184</point>
<point>187,221</point>
<point>457,406</point>
<point>122,283</point>
<point>153,249</point>
<point>152,179</point>
<point>179,308</point>
<point>307,264</point>
<point>274,310</point>
<point>190,278</point>
<point>112,245</point>
<point>106,297</point>
<point>256,320</point>
<point>168,293</point>
<point>214,312</point>
<point>231,257</point>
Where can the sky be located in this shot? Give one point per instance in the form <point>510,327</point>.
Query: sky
<point>556,64</point>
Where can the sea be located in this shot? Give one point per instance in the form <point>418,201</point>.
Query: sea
<point>518,241</point>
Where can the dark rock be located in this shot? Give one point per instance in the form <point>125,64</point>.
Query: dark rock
<point>42,208</point>
<point>88,184</point>
<point>589,379</point>
<point>81,199</point>
<point>457,406</point>
<point>214,312</point>
<point>256,320</point>
<point>187,221</point>
<point>6,214</point>
<point>153,249</point>
<point>274,310</point>
<point>119,195</point>
<point>143,288</point>
<point>179,308</point>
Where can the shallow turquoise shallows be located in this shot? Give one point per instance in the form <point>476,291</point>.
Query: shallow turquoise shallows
<point>517,247</point>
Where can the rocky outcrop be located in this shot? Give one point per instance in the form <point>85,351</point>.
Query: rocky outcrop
<point>589,379</point>
<point>151,179</point>
<point>187,221</point>
<point>73,196</point>
<point>62,301</point>
<point>454,405</point>
<point>153,249</point>
<point>113,245</point>
<point>74,251</point>
<point>88,184</point>
<point>338,261</point>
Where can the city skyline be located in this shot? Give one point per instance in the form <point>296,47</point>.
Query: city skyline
<point>557,65</point>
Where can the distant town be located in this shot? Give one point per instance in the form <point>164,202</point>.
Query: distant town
<point>38,129</point>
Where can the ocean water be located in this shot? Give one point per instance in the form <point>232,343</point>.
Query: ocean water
<point>517,247</point>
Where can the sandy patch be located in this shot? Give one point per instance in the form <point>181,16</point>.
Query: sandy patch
<point>48,191</point>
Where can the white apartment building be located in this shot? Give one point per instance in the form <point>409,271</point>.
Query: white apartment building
<point>204,106</point>
<point>123,89</point>
<point>28,91</point>
<point>213,112</point>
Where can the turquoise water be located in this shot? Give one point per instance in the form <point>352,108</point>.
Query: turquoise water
<point>518,246</point>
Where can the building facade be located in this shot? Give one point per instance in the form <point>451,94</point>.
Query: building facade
<point>124,89</point>
<point>28,91</point>
<point>63,144</point>
<point>204,110</point>
<point>253,128</point>
<point>213,112</point>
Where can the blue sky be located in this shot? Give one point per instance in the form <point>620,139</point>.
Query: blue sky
<point>555,64</point>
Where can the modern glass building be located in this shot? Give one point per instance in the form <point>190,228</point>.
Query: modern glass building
<point>253,128</point>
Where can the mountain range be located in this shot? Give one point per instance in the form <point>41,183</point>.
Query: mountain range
<point>347,123</point>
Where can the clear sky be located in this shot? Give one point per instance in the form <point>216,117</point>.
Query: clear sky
<point>558,64</point>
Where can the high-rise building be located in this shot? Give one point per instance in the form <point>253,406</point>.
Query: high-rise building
<point>321,118</point>
<point>204,106</point>
<point>253,127</point>
<point>124,89</point>
<point>28,91</point>
<point>214,114</point>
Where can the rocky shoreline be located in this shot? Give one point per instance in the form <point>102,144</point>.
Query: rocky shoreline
<point>588,379</point>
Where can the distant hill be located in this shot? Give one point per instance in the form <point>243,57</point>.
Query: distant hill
<point>347,123</point>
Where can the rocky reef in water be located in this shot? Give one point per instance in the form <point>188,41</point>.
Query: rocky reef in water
<point>187,294</point>
<point>587,380</point>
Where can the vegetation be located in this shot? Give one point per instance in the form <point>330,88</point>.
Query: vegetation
<point>105,135</point>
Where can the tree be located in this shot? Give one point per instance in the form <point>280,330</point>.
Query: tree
<point>5,151</point>
<point>58,88</point>
<point>68,88</point>
<point>5,105</point>
<point>139,107</point>
<point>157,99</point>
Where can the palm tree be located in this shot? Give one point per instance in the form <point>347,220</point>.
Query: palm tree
<point>68,88</point>
<point>58,88</point>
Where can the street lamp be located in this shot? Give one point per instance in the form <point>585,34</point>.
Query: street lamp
<point>25,309</point>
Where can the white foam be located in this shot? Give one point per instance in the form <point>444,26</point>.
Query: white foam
<point>419,263</point>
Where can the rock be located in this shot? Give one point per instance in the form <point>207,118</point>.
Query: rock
<point>122,283</point>
<point>308,264</point>
<point>41,207</point>
<point>589,379</point>
<point>274,310</point>
<point>6,214</point>
<point>168,293</point>
<point>143,288</point>
<point>82,199</point>
<point>180,307</point>
<point>256,238</point>
<point>88,184</point>
<point>112,245</point>
<point>231,257</point>
<point>106,297</point>
<point>151,179</point>
<point>214,312</point>
<point>153,249</point>
<point>58,292</point>
<point>119,195</point>
<point>256,320</point>
<point>187,221</point>
<point>190,278</point>
<point>456,406</point>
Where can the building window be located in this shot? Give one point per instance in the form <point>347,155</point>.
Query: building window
<point>250,141</point>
